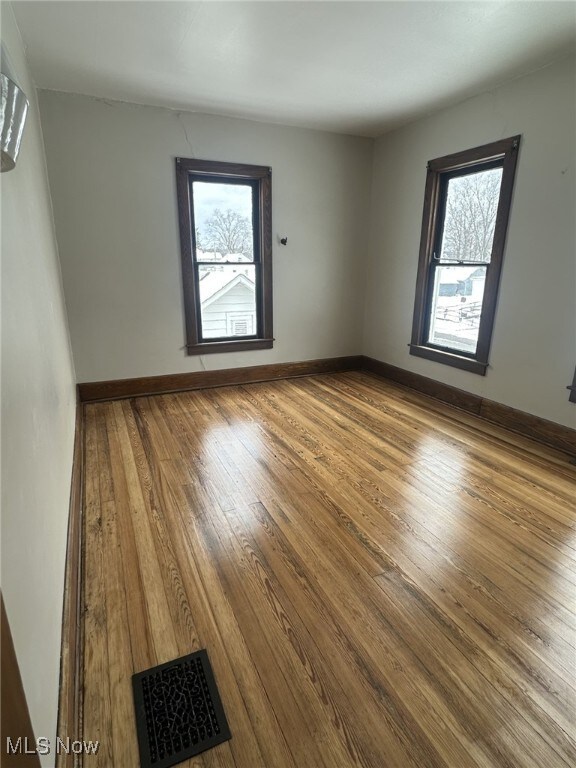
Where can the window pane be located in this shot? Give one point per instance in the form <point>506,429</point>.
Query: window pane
<point>456,307</point>
<point>223,221</point>
<point>471,206</point>
<point>227,301</point>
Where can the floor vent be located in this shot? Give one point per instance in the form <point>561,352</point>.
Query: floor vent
<point>178,711</point>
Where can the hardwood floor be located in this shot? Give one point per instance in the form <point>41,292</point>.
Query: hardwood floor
<point>379,580</point>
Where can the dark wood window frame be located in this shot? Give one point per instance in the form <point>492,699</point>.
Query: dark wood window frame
<point>502,154</point>
<point>260,178</point>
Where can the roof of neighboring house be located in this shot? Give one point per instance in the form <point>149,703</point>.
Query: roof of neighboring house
<point>218,282</point>
<point>456,274</point>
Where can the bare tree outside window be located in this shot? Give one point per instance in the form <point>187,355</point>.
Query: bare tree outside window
<point>471,207</point>
<point>227,232</point>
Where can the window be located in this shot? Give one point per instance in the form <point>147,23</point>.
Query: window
<point>466,208</point>
<point>225,214</point>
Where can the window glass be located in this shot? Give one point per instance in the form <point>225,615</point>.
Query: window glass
<point>456,307</point>
<point>470,216</point>
<point>223,221</point>
<point>227,294</point>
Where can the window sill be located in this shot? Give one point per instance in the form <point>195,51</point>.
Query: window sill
<point>449,358</point>
<point>209,347</point>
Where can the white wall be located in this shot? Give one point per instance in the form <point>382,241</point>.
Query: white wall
<point>534,342</point>
<point>111,168</point>
<point>38,409</point>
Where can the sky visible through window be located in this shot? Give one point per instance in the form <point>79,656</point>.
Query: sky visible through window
<point>211,197</point>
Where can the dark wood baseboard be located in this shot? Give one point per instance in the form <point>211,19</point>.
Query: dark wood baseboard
<point>451,395</point>
<point>555,435</point>
<point>70,699</point>
<point>15,717</point>
<point>155,385</point>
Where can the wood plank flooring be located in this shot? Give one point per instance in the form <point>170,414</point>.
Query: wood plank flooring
<point>379,580</point>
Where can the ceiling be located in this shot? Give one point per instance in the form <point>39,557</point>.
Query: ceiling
<point>351,67</point>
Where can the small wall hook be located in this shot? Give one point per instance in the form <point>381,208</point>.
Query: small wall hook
<point>284,240</point>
